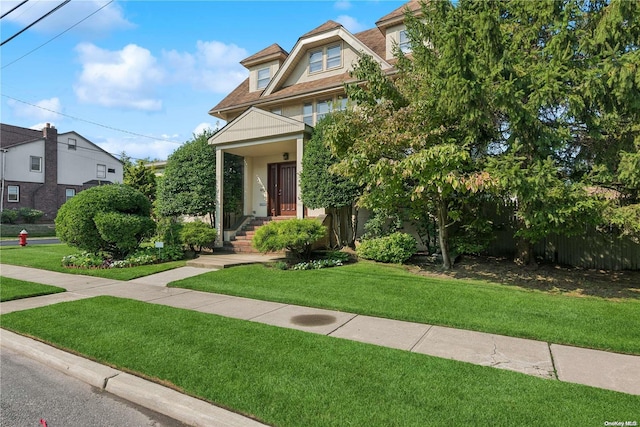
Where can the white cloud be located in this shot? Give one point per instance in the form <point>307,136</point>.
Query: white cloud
<point>214,66</point>
<point>138,148</point>
<point>203,127</point>
<point>124,78</point>
<point>351,23</point>
<point>43,110</point>
<point>342,5</point>
<point>107,19</point>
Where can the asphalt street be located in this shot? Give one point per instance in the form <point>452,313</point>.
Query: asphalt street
<point>32,391</point>
<point>34,241</point>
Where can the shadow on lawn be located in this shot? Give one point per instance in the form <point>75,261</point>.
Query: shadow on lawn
<point>551,278</point>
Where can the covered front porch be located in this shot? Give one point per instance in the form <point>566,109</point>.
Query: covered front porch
<point>271,146</point>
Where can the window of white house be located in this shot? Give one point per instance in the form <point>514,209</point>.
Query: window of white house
<point>111,170</point>
<point>277,111</point>
<point>341,105</point>
<point>264,75</point>
<point>307,114</point>
<point>69,193</point>
<point>322,109</point>
<point>315,61</point>
<point>405,43</point>
<point>71,144</point>
<point>13,193</point>
<point>102,171</point>
<point>35,164</point>
<point>334,57</point>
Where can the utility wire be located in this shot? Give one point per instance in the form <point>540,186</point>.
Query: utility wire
<point>35,22</point>
<point>53,38</point>
<point>91,122</point>
<point>14,8</point>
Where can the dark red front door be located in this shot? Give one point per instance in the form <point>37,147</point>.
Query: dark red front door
<point>282,189</point>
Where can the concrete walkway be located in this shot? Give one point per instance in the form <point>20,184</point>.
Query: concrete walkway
<point>595,368</point>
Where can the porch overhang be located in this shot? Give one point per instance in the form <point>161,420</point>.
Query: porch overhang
<point>260,137</point>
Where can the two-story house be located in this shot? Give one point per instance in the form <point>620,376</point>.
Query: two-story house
<point>272,113</point>
<point>41,169</point>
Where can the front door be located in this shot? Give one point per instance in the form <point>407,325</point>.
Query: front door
<point>282,189</point>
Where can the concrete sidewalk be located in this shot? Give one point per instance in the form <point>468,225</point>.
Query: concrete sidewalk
<point>601,369</point>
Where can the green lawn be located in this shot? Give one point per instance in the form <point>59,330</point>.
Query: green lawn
<point>391,292</point>
<point>48,257</point>
<point>286,377</point>
<point>11,289</point>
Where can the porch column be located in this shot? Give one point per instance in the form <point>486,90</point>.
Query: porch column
<point>299,153</point>
<point>219,193</point>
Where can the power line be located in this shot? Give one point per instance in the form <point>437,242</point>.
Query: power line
<point>35,22</point>
<point>12,9</point>
<point>53,38</point>
<point>91,122</point>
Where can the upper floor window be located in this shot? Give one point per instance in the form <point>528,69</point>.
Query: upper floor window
<point>35,164</point>
<point>315,61</point>
<point>101,172</point>
<point>322,109</point>
<point>307,114</point>
<point>264,75</point>
<point>277,110</point>
<point>69,193</point>
<point>334,57</point>
<point>71,144</point>
<point>13,193</point>
<point>404,43</point>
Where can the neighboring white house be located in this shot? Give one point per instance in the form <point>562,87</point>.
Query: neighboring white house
<point>43,169</point>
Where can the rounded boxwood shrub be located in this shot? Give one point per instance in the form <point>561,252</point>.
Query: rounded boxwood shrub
<point>112,218</point>
<point>395,248</point>
<point>197,235</point>
<point>9,216</point>
<point>293,235</point>
<point>30,216</point>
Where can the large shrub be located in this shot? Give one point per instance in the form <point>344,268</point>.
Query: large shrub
<point>197,235</point>
<point>293,235</point>
<point>111,218</point>
<point>30,216</point>
<point>395,248</point>
<point>9,216</point>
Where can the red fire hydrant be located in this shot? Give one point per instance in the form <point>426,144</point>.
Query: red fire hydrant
<point>23,237</point>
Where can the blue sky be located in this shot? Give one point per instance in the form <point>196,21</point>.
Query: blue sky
<point>140,76</point>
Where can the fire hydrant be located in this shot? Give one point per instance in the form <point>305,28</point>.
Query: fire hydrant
<point>23,237</point>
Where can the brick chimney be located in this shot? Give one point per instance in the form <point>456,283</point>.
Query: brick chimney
<point>46,197</point>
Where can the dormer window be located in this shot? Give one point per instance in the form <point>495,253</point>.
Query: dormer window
<point>264,75</point>
<point>405,43</point>
<point>315,61</point>
<point>334,57</point>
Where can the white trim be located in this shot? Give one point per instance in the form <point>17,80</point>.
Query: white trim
<point>301,48</point>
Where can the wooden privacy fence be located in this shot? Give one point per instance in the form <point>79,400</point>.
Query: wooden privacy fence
<point>596,249</point>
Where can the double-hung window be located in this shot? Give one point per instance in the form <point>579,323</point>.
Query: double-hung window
<point>72,144</point>
<point>264,75</point>
<point>35,164</point>
<point>334,57</point>
<point>69,193</point>
<point>101,172</point>
<point>405,43</point>
<point>13,193</point>
<point>315,61</point>
<point>322,109</point>
<point>307,114</point>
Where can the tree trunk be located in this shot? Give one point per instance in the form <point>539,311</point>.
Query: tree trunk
<point>524,252</point>
<point>443,235</point>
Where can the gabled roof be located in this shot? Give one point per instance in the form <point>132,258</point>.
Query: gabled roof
<point>15,135</point>
<point>76,134</point>
<point>267,54</point>
<point>256,124</point>
<point>397,16</point>
<point>329,25</point>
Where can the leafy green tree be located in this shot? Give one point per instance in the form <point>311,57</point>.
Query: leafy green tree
<point>323,189</point>
<point>142,178</point>
<point>188,186</point>
<point>112,218</point>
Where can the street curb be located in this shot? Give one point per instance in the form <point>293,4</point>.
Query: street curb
<point>186,409</point>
